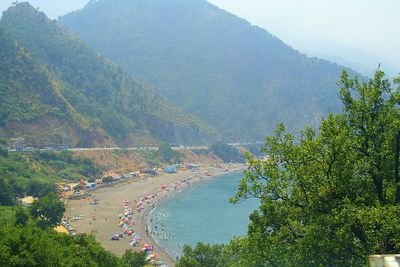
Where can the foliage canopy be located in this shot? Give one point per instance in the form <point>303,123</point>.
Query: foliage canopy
<point>235,76</point>
<point>50,77</point>
<point>331,198</point>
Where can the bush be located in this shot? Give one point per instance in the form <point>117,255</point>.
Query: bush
<point>227,153</point>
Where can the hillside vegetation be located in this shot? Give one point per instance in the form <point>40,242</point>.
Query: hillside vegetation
<point>27,235</point>
<point>53,84</point>
<point>36,173</point>
<point>331,199</point>
<point>237,77</point>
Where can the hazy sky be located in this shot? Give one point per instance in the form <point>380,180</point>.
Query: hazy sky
<point>363,32</point>
<point>352,29</point>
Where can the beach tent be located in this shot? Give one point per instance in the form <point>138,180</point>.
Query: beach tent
<point>62,229</point>
<point>27,201</point>
<point>170,169</point>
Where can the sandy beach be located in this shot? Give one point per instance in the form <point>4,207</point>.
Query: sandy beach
<point>103,220</point>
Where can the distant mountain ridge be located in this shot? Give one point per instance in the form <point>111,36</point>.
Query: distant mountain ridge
<point>237,77</point>
<point>57,89</point>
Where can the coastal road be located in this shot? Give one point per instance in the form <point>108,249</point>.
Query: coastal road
<point>148,148</point>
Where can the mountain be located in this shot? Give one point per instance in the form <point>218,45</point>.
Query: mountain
<point>31,103</point>
<point>58,89</point>
<point>237,77</point>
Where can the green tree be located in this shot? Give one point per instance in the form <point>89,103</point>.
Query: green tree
<point>48,211</point>
<point>21,217</point>
<point>7,196</point>
<point>332,198</point>
<point>107,180</point>
<point>132,259</point>
<point>3,152</point>
<point>40,189</point>
<point>226,152</point>
<point>32,246</point>
<point>3,142</point>
<point>202,256</point>
<point>167,154</point>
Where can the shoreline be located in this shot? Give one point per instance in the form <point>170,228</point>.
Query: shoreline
<point>173,194</point>
<point>102,219</point>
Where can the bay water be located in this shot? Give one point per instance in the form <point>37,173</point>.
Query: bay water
<point>201,213</point>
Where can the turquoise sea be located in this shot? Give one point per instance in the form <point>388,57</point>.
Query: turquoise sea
<point>201,213</point>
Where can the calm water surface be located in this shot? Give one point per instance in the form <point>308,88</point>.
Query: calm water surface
<point>201,214</point>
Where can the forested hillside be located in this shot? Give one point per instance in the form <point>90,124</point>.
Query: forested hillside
<point>27,235</point>
<point>32,105</point>
<point>237,77</point>
<point>59,90</point>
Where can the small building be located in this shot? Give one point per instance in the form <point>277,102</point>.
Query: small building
<point>170,169</point>
<point>62,148</point>
<point>72,186</point>
<point>135,174</point>
<point>192,166</point>
<point>148,171</point>
<point>115,176</point>
<point>126,176</point>
<point>89,186</point>
<point>27,201</point>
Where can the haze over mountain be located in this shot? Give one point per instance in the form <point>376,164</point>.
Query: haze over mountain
<point>237,77</point>
<point>55,89</point>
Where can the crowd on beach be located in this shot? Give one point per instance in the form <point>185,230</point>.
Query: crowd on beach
<point>155,226</point>
<point>126,223</point>
<point>140,209</point>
